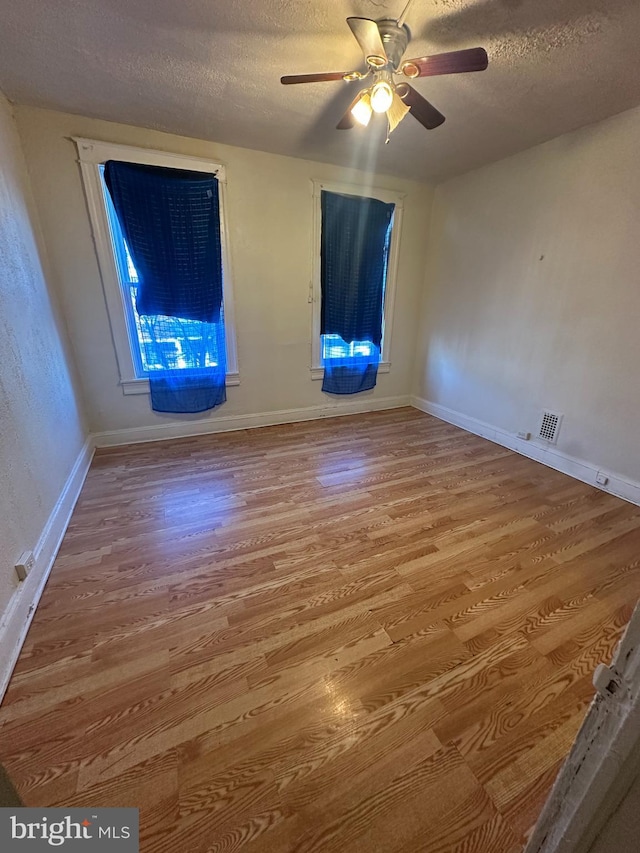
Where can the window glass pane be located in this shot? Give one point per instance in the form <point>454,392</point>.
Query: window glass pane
<point>332,346</point>
<point>170,343</point>
<point>131,270</point>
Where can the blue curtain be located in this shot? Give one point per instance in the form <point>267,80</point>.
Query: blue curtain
<point>186,362</point>
<point>351,374</point>
<point>354,252</point>
<point>170,224</point>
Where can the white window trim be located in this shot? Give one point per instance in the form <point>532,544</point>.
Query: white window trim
<point>91,155</point>
<point>315,296</point>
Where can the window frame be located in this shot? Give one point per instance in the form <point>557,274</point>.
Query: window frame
<point>315,290</point>
<point>91,155</point>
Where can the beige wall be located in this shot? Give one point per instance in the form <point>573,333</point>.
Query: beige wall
<point>532,297</point>
<point>269,205</point>
<point>41,431</point>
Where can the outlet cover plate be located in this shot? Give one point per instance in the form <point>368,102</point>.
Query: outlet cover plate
<point>24,565</point>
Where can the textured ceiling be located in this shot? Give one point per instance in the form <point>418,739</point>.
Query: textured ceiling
<point>211,69</point>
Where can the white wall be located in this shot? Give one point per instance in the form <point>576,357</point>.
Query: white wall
<point>532,295</point>
<point>41,428</point>
<point>270,235</point>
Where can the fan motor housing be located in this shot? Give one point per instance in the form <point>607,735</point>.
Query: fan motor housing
<point>395,39</point>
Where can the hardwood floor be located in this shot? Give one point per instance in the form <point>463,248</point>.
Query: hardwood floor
<point>372,633</point>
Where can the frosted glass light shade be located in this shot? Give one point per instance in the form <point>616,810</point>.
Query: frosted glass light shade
<point>361,110</point>
<point>381,97</point>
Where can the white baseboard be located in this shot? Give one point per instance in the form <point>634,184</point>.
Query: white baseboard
<point>548,455</point>
<point>17,618</point>
<point>182,429</point>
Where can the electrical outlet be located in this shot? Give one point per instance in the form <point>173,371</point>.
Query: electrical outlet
<point>524,435</point>
<point>24,565</point>
<point>601,478</point>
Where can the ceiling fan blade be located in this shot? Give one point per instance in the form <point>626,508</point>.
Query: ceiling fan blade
<point>455,62</point>
<point>348,120</point>
<point>315,78</point>
<point>421,109</point>
<point>368,37</point>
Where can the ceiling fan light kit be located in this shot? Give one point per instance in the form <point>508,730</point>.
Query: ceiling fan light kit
<point>383,44</point>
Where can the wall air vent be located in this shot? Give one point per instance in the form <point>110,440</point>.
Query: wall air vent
<point>549,426</point>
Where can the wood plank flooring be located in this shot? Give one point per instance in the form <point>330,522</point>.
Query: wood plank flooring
<point>371,633</point>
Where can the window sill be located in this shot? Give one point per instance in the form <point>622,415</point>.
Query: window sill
<point>318,372</point>
<point>141,386</point>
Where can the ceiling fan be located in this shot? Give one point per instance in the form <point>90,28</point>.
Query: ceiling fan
<point>383,44</point>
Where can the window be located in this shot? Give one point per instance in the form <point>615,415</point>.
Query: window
<point>332,346</point>
<point>144,344</point>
